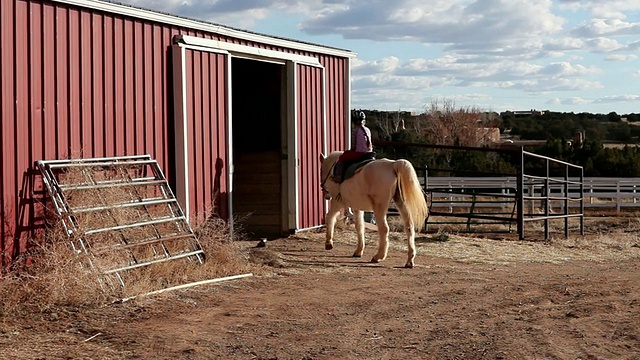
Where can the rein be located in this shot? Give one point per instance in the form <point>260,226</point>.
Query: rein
<point>324,181</point>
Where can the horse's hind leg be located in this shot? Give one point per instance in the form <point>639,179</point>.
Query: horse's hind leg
<point>409,229</point>
<point>383,233</point>
<point>330,222</point>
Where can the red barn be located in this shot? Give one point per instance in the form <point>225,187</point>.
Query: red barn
<point>236,119</point>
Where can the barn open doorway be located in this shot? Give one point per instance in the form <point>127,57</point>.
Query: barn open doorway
<point>259,147</point>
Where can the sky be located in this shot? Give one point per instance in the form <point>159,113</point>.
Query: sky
<point>490,55</point>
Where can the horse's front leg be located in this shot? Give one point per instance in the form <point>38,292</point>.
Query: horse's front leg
<point>330,223</point>
<point>359,215</point>
<point>383,232</point>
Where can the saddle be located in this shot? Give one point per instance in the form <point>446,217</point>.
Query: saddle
<point>345,169</point>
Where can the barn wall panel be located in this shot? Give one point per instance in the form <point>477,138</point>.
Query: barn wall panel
<point>35,73</point>
<point>97,132</point>
<point>74,119</point>
<point>147,96</point>
<point>310,145</point>
<point>50,138</point>
<point>61,89</point>
<point>7,131</point>
<point>337,107</point>
<point>23,113</point>
<point>207,132</point>
<point>78,82</point>
<point>107,112</point>
<point>85,73</point>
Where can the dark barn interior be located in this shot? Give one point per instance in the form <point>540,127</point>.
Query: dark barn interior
<point>257,116</point>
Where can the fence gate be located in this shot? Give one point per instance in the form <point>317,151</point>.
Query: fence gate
<point>120,213</point>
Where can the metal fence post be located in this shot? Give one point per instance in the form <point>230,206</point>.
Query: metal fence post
<point>520,196</point>
<point>547,201</point>
<point>566,201</point>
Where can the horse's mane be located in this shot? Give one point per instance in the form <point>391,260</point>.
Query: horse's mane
<point>333,156</point>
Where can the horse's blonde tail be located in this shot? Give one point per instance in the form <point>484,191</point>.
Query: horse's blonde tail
<point>411,192</point>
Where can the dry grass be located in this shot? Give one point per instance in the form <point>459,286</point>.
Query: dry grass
<point>61,273</point>
<point>607,239</point>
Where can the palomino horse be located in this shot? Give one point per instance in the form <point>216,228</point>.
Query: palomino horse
<point>372,188</point>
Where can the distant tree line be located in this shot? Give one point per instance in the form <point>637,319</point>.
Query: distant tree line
<point>555,125</point>
<point>445,124</point>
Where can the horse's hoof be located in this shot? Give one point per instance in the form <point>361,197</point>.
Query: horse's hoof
<point>375,261</point>
<point>328,246</point>
<point>408,265</point>
<point>356,255</point>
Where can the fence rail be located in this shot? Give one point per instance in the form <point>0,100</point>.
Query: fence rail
<point>599,192</point>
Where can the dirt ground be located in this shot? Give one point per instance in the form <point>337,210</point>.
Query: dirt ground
<point>468,298</point>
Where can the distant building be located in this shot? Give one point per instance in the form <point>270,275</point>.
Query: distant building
<point>524,113</point>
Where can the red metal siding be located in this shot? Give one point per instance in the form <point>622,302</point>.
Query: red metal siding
<point>49,126</point>
<point>207,115</point>
<point>7,131</point>
<point>335,87</point>
<point>61,85</point>
<point>77,82</point>
<point>310,146</point>
<point>21,149</point>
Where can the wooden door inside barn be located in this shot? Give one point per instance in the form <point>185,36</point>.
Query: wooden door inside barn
<point>259,146</point>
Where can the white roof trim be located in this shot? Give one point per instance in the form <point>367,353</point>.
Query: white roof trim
<point>200,25</point>
<point>244,49</point>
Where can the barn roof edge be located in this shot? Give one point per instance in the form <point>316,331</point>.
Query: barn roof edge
<point>177,20</point>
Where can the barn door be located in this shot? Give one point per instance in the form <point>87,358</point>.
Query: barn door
<point>310,143</point>
<point>201,136</point>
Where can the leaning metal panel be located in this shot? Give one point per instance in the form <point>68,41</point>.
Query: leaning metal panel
<point>120,213</point>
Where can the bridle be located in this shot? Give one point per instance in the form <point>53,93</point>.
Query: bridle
<point>323,184</point>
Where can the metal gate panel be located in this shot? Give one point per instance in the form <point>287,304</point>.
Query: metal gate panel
<point>120,213</point>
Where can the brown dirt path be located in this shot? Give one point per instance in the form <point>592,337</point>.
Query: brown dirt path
<point>317,304</point>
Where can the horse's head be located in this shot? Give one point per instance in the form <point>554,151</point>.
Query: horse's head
<point>327,163</point>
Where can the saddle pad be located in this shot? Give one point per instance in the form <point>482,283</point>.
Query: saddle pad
<point>353,168</point>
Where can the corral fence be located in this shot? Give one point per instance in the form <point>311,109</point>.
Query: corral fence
<point>553,192</point>
<point>602,193</point>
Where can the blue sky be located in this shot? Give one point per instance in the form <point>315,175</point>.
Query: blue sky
<point>493,55</point>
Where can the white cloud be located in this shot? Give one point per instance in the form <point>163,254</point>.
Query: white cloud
<point>565,69</point>
<point>387,64</point>
<point>621,57</point>
<point>560,84</point>
<point>533,50</point>
<point>575,101</point>
<point>633,46</point>
<point>604,44</point>
<point>602,100</point>
<point>607,27</point>
<point>433,21</point>
<point>235,13</point>
<point>618,98</point>
<point>564,44</point>
<point>613,9</point>
<point>553,101</point>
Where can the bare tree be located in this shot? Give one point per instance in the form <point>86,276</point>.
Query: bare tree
<point>391,124</point>
<point>445,124</point>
